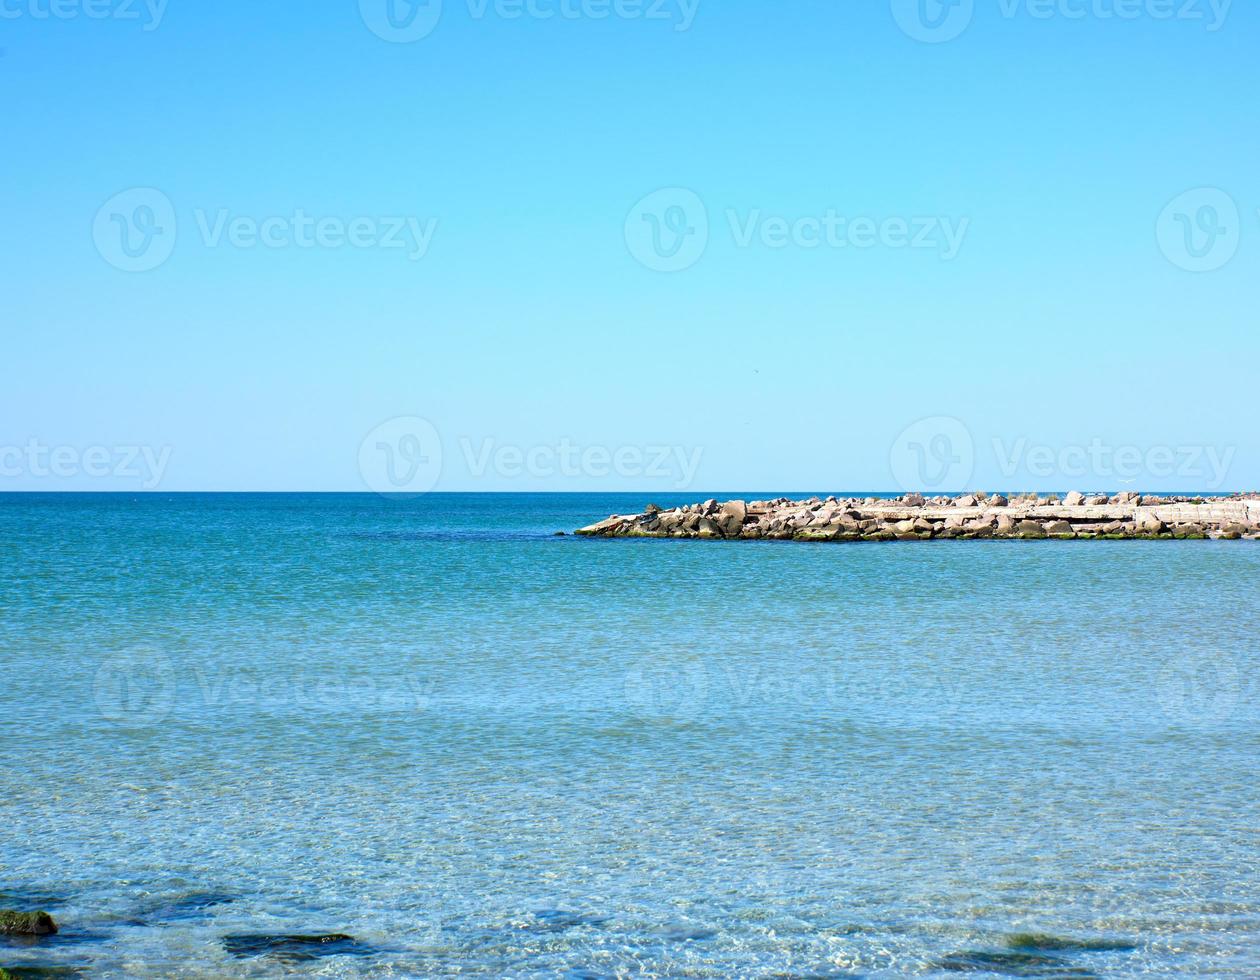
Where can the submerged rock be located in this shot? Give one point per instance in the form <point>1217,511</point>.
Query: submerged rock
<point>189,906</point>
<point>1045,941</point>
<point>558,920</point>
<point>296,947</point>
<point>1011,964</point>
<point>26,924</point>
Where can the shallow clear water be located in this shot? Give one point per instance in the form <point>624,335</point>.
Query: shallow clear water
<point>483,750</point>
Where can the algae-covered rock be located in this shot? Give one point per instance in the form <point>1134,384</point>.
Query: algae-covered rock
<point>26,924</point>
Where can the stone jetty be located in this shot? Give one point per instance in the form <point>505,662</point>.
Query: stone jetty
<point>913,517</point>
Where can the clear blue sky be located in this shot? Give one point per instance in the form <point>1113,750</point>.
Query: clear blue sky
<point>1056,142</point>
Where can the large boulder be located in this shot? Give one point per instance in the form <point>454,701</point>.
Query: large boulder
<point>914,500</point>
<point>709,529</point>
<point>1029,529</point>
<point>1074,499</point>
<point>997,500</point>
<point>731,517</point>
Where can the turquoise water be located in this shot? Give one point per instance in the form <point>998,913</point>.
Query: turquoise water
<point>481,750</point>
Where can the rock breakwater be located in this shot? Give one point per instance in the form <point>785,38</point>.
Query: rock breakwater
<point>913,517</point>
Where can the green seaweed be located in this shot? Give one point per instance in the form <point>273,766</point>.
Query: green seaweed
<point>1046,941</point>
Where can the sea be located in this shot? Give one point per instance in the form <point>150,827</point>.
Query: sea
<point>344,735</point>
